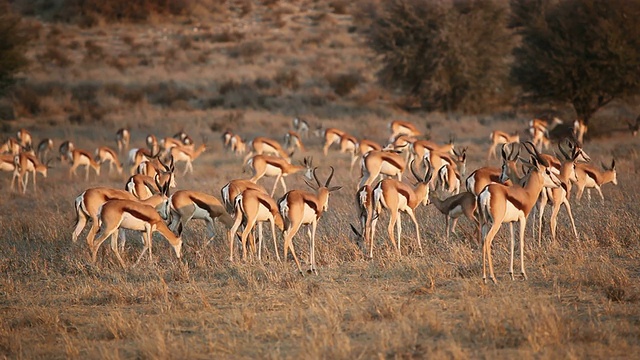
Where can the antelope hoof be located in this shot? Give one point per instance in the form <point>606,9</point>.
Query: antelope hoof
<point>511,274</point>
<point>524,276</point>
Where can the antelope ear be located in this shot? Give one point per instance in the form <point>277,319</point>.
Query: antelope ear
<point>335,188</point>
<point>613,164</point>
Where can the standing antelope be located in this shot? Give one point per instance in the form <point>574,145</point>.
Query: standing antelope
<point>234,188</point>
<point>367,214</point>
<point>589,177</point>
<point>266,165</point>
<point>500,137</point>
<point>65,149</point>
<point>122,139</point>
<point>25,163</point>
<point>378,162</point>
<point>364,146</point>
<point>579,130</point>
<point>186,205</point>
<point>301,127</point>
<point>127,214</point>
<point>104,154</point>
<point>399,127</point>
<point>398,196</point>
<point>299,208</point>
<point>455,206</point>
<point>184,154</point>
<point>152,144</point>
<point>11,146</point>
<point>83,158</point>
<point>498,204</point>
<point>251,207</point>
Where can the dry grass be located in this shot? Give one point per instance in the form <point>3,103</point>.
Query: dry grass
<point>303,60</point>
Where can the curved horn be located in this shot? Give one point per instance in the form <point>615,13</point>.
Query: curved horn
<point>330,176</point>
<point>315,176</point>
<point>414,172</point>
<point>564,153</point>
<point>536,154</point>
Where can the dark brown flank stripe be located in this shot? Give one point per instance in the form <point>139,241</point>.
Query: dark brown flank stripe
<point>85,153</point>
<point>136,213</point>
<point>405,193</point>
<point>494,178</point>
<point>271,143</point>
<point>592,175</point>
<point>515,202</point>
<point>265,203</point>
<point>312,205</point>
<point>392,161</point>
<point>201,204</point>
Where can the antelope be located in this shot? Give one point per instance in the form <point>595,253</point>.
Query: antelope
<point>539,130</point>
<point>123,135</point>
<point>293,141</point>
<point>25,163</point>
<point>24,138</point>
<point>104,154</point>
<point>482,177</point>
<point>402,143</point>
<point>455,206</point>
<point>399,127</point>
<point>378,162</point>
<point>633,128</point>
<point>579,130</point>
<point>589,177</point>
<point>169,143</point>
<point>500,137</point>
<point>301,127</point>
<point>184,138</point>
<point>234,188</point>
<point>83,158</point>
<point>186,205</point>
<point>87,206</point>
<point>11,146</point>
<point>65,149</point>
<point>299,208</point>
<point>183,154</point>
<point>266,165</point>
<point>43,149</point>
<point>226,139</point>
<point>138,156</point>
<point>363,147</point>
<point>152,144</point>
<point>366,214</point>
<point>331,136</point>
<point>419,148</point>
<point>127,214</point>
<point>263,145</point>
<point>450,179</point>
<point>498,204</point>
<point>251,207</point>
<point>142,186</point>
<point>238,145</point>
<point>398,196</point>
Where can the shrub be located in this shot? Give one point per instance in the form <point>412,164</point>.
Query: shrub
<point>13,46</point>
<point>343,84</point>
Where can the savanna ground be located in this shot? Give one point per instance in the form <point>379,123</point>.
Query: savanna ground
<point>581,299</point>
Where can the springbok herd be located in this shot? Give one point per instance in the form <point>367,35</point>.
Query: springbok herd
<point>493,195</point>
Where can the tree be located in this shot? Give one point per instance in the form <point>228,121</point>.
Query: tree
<point>584,52</point>
<point>13,43</point>
<point>451,55</point>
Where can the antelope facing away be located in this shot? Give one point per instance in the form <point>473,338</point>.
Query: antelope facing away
<point>299,208</point>
<point>589,177</point>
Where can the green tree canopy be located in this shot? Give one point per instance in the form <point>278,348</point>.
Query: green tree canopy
<point>451,55</point>
<point>584,52</point>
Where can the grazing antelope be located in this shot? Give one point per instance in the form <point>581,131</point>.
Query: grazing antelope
<point>399,127</point>
<point>43,149</point>
<point>293,141</point>
<point>25,163</point>
<point>301,127</point>
<point>378,162</point>
<point>262,145</point>
<point>455,206</point>
<point>234,188</point>
<point>500,137</point>
<point>132,215</point>
<point>169,143</point>
<point>251,207</point>
<point>498,204</point>
<point>184,154</point>
<point>142,186</point>
<point>367,214</point>
<point>186,205</point>
<point>87,206</point>
<point>589,177</point>
<point>65,149</point>
<point>633,128</point>
<point>24,138</point>
<point>299,208</point>
<point>104,154</point>
<point>266,165</point>
<point>398,196</point>
<point>331,136</point>
<point>363,147</point>
<point>83,158</point>
<point>122,139</point>
<point>237,145</point>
